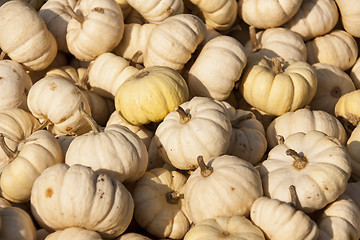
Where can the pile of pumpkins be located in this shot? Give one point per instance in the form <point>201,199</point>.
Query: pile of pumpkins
<point>179,119</point>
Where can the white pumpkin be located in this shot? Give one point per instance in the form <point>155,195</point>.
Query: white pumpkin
<point>350,13</point>
<point>75,233</point>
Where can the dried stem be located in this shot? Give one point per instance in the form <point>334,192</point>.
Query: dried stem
<point>276,65</point>
<point>256,46</point>
<point>94,126</point>
<point>242,118</point>
<point>9,153</point>
<point>280,139</point>
<point>2,55</point>
<point>205,170</point>
<point>184,117</point>
<point>174,197</point>
<point>73,14</point>
<point>293,196</point>
<point>135,60</point>
<point>300,161</point>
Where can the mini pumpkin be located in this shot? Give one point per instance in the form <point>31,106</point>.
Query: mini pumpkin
<point>74,233</point>
<point>347,110</point>
<point>349,10</point>
<point>150,94</point>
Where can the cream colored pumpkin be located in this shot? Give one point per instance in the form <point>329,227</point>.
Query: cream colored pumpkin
<point>24,36</point>
<point>200,126</point>
<point>316,164</point>
<point>355,74</point>
<point>350,16</point>
<point>14,86</point>
<point>219,15</point>
<point>156,11</point>
<point>217,68</point>
<point>75,233</point>
<point>248,139</point>
<point>353,148</point>
<point>76,196</point>
<point>225,186</point>
<point>144,133</point>
<point>173,41</point>
<point>281,221</point>
<point>16,224</point>
<point>304,120</point>
<point>114,150</point>
<point>347,110</point>
<point>340,220</point>
<point>160,205</point>
<point>277,42</point>
<point>96,27</point>
<point>16,125</point>
<point>135,39</point>
<point>57,100</point>
<point>277,87</point>
<point>38,151</point>
<point>336,48</point>
<point>314,18</point>
<point>235,227</point>
<point>56,17</point>
<point>132,236</point>
<point>36,4</point>
<point>101,107</point>
<point>267,14</point>
<point>107,72</point>
<point>332,84</point>
<point>150,94</point>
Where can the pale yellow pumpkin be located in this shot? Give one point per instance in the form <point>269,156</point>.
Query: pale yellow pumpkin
<point>132,236</point>
<point>144,133</point>
<point>96,27</point>
<point>74,233</point>
<point>267,13</point>
<point>135,39</point>
<point>56,100</point>
<point>32,156</point>
<point>314,18</point>
<point>114,150</point>
<point>236,227</point>
<point>350,16</point>
<point>304,120</point>
<point>347,108</point>
<point>150,94</point>
<point>173,41</point>
<point>24,36</point>
<point>340,220</point>
<point>248,139</point>
<point>332,84</point>
<point>156,11</point>
<point>225,186</point>
<point>76,196</point>
<point>200,126</point>
<point>219,15</point>
<point>15,85</point>
<point>281,221</point>
<point>336,48</point>
<point>16,224</point>
<point>16,125</point>
<point>277,87</point>
<point>160,205</point>
<point>353,147</point>
<point>56,17</point>
<point>217,68</point>
<point>277,42</point>
<point>316,164</point>
<point>107,72</point>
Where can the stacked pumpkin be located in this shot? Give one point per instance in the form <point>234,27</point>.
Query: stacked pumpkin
<point>179,119</point>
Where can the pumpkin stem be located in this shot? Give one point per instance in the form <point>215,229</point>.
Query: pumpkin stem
<point>9,153</point>
<point>275,65</point>
<point>184,117</point>
<point>169,11</point>
<point>256,46</point>
<point>134,60</point>
<point>240,119</point>
<point>280,139</point>
<point>74,15</point>
<point>300,161</point>
<point>142,74</point>
<point>174,197</point>
<point>43,125</point>
<point>94,126</point>
<point>293,196</point>
<point>2,55</point>
<point>204,170</point>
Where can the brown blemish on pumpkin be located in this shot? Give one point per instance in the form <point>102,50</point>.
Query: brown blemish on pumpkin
<point>225,234</point>
<point>49,192</point>
<point>52,86</point>
<point>326,188</point>
<point>142,74</point>
<point>68,129</point>
<point>98,9</point>
<point>232,188</point>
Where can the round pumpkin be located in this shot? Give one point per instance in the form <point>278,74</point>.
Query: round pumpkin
<point>150,94</point>
<point>350,13</point>
<point>347,110</point>
<point>74,233</point>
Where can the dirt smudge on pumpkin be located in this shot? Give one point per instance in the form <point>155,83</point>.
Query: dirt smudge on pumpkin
<point>98,9</point>
<point>49,192</point>
<point>52,86</point>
